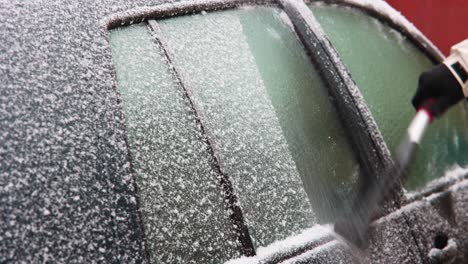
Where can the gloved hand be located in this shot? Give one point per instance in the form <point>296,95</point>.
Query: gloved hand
<point>440,85</point>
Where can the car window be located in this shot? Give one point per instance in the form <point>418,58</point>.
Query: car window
<point>181,201</point>
<point>268,110</point>
<point>386,67</point>
<point>264,109</point>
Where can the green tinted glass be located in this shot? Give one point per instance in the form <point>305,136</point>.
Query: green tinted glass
<point>181,202</point>
<point>269,114</point>
<point>386,67</point>
<point>316,139</point>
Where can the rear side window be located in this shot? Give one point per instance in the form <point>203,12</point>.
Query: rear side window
<point>181,202</point>
<point>206,104</point>
<point>386,67</point>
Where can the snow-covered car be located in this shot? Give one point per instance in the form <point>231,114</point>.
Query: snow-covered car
<point>216,131</point>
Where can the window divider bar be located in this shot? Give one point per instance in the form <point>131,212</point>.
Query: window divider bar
<point>366,140</point>
<point>230,198</point>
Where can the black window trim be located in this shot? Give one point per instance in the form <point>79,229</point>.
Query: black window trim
<point>361,129</point>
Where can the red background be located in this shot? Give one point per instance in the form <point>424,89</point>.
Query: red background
<point>444,22</point>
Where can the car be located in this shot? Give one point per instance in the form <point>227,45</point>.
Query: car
<point>214,131</point>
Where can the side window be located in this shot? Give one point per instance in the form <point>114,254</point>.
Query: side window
<point>265,104</point>
<point>386,67</point>
<point>240,105</point>
<point>227,88</point>
<point>181,202</point>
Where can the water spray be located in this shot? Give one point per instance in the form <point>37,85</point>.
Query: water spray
<point>353,228</point>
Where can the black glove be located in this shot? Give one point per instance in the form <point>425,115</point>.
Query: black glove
<point>440,85</point>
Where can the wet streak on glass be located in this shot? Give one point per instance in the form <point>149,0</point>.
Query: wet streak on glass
<point>182,203</point>
<point>386,67</point>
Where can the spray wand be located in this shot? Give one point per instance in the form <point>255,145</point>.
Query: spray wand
<point>354,227</point>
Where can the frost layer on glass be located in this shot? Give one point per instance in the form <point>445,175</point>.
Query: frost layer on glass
<point>386,67</point>
<point>268,113</point>
<point>181,202</point>
<point>316,139</point>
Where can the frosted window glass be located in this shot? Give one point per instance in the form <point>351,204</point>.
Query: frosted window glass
<point>181,201</point>
<point>316,139</point>
<point>269,115</point>
<point>386,68</point>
